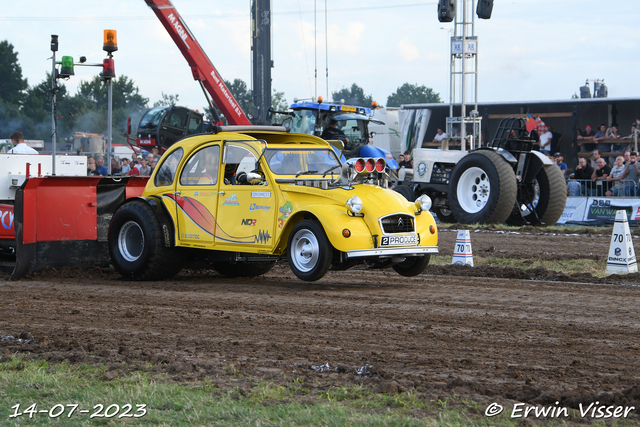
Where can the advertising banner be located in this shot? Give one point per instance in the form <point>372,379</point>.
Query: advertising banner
<point>574,210</point>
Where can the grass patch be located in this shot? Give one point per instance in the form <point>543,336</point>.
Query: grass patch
<point>26,383</point>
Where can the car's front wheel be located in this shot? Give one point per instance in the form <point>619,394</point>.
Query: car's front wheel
<point>309,251</point>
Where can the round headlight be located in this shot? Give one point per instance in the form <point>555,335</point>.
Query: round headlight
<point>354,204</point>
<point>423,202</point>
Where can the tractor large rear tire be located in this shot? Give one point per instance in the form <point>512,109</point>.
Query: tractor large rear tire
<point>406,191</point>
<point>137,247</point>
<point>482,189</point>
<point>551,198</point>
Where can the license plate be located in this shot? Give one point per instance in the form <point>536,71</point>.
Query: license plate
<point>410,240</point>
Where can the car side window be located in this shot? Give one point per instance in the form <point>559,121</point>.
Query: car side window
<point>194,124</point>
<point>238,159</point>
<point>167,169</point>
<point>178,118</point>
<point>202,167</point>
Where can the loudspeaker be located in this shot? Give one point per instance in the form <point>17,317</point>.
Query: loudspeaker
<point>446,10</point>
<point>600,91</point>
<point>585,92</point>
<point>484,9</point>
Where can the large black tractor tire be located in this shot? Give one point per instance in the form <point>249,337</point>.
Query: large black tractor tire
<point>137,247</point>
<point>482,189</point>
<point>406,191</point>
<point>412,266</point>
<point>445,216</point>
<point>549,202</point>
<point>309,251</point>
<point>245,269</point>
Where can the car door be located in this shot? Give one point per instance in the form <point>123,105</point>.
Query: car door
<point>246,213</point>
<point>173,126</point>
<point>196,197</point>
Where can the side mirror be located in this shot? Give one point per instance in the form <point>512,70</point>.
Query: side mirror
<point>372,134</point>
<point>288,122</point>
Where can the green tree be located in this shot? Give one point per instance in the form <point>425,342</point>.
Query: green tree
<point>278,103</point>
<point>167,99</point>
<point>12,85</point>
<point>36,108</point>
<point>87,110</point>
<point>353,96</point>
<point>412,94</point>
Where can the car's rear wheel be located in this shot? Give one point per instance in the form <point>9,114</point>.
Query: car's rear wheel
<point>309,251</point>
<point>137,247</point>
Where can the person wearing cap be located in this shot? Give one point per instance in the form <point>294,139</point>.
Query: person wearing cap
<point>557,157</point>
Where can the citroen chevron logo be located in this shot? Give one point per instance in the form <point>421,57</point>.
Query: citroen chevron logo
<point>400,222</point>
<point>263,237</point>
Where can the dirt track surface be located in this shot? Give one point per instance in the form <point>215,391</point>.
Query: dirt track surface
<point>488,333</point>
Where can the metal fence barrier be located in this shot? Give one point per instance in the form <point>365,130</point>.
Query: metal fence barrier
<point>586,187</point>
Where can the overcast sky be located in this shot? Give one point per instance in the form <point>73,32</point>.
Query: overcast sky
<point>528,50</point>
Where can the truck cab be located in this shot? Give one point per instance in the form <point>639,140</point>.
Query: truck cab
<point>162,126</point>
<point>313,118</point>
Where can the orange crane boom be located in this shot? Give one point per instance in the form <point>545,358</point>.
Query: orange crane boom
<point>201,67</point>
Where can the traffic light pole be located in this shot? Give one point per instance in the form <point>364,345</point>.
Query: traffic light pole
<point>109,122</point>
<point>54,88</point>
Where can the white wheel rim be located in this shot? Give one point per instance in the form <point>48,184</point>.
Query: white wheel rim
<point>305,250</point>
<point>473,190</point>
<point>131,241</point>
<point>526,209</point>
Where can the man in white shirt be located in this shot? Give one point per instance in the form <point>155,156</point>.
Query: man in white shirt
<point>545,142</point>
<point>19,146</point>
<point>440,136</point>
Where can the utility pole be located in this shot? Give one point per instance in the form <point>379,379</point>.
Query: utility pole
<point>261,60</point>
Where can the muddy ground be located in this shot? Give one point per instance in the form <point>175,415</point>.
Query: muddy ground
<point>488,334</point>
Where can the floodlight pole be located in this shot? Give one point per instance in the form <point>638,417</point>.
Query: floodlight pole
<point>464,63</point>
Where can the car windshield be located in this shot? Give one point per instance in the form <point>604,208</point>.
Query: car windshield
<point>152,118</point>
<point>301,161</point>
